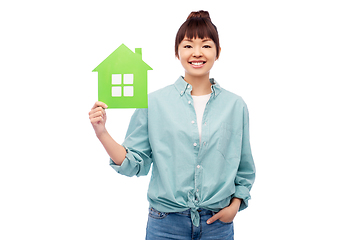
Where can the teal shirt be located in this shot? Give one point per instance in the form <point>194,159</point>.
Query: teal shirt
<point>187,173</point>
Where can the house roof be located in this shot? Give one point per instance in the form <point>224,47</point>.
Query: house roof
<point>123,59</point>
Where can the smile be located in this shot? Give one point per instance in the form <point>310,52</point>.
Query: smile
<point>197,64</point>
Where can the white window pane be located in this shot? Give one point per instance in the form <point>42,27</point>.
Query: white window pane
<point>116,78</point>
<point>128,91</point>
<point>116,91</point>
<point>128,78</point>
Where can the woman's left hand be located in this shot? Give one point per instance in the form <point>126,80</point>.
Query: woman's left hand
<point>228,213</point>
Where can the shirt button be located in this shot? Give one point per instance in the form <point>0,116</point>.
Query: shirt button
<point>181,92</point>
<point>192,122</point>
<point>188,86</point>
<point>198,166</point>
<point>195,144</point>
<point>189,102</point>
<point>205,123</point>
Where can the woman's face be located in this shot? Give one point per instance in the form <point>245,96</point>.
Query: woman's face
<point>197,56</point>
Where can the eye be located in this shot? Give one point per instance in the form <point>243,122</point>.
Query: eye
<point>206,46</point>
<point>187,46</point>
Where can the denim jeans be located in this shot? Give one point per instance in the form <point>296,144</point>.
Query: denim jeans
<point>179,226</point>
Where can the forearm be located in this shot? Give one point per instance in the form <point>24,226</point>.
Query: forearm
<point>116,152</point>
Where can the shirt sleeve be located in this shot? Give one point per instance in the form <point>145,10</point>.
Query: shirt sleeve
<point>138,158</point>
<point>245,176</point>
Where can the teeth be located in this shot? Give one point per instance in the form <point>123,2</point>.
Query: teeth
<point>197,63</point>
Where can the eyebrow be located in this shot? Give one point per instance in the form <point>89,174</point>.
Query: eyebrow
<point>204,40</point>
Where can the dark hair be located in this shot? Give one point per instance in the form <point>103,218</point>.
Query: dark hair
<point>198,24</point>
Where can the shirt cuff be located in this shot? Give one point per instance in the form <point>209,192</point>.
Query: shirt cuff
<point>129,166</point>
<point>244,194</point>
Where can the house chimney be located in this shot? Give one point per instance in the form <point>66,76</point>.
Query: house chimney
<point>138,51</point>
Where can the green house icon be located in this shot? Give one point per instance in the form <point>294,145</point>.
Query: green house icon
<point>122,79</point>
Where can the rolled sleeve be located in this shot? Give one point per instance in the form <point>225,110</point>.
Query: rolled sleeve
<point>245,176</point>
<point>138,158</point>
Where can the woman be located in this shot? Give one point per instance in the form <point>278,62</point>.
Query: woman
<point>195,135</point>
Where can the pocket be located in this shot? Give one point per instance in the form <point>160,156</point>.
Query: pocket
<point>157,214</point>
<point>225,223</point>
<point>219,221</point>
<point>229,142</point>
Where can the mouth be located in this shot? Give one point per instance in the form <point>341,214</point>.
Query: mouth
<point>197,63</point>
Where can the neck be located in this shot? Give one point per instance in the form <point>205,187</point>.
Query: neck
<point>200,85</point>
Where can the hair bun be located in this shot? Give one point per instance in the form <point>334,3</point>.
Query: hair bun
<point>199,14</point>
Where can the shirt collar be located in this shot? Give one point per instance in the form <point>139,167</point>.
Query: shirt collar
<point>182,86</point>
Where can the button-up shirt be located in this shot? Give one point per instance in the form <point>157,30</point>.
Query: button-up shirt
<point>187,173</point>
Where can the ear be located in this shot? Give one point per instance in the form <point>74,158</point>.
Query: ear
<point>218,54</point>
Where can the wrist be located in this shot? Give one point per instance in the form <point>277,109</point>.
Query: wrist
<point>100,135</point>
<point>235,203</point>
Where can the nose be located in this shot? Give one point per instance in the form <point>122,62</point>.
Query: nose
<point>197,52</point>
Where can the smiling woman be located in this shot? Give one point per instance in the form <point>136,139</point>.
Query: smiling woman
<point>195,136</point>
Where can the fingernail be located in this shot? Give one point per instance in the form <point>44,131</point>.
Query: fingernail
<point>208,222</point>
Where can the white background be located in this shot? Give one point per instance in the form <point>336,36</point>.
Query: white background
<point>295,63</point>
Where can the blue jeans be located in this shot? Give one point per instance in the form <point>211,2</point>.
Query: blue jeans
<point>179,226</point>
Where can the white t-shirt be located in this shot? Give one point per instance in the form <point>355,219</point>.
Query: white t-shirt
<point>199,105</point>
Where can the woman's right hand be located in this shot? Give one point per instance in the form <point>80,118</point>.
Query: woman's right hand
<point>97,117</point>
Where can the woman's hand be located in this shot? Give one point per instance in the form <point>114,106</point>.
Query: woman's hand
<point>228,213</point>
<point>97,117</point>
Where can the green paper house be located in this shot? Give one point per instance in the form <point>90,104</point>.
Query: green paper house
<point>122,79</point>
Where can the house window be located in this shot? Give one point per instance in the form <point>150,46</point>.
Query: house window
<point>122,85</point>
